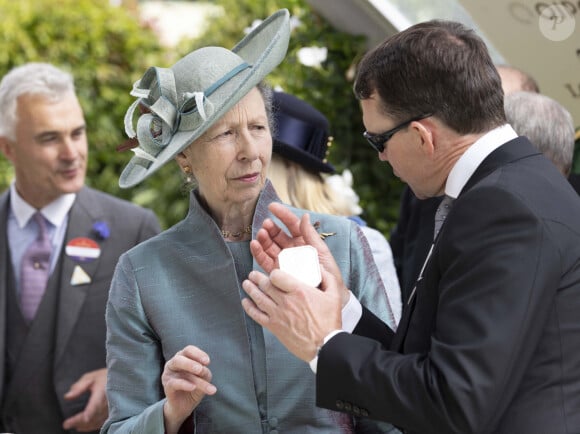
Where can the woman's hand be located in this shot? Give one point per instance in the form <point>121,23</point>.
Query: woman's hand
<point>271,240</point>
<point>186,380</point>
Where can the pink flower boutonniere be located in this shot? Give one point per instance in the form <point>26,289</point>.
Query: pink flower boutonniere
<point>101,230</point>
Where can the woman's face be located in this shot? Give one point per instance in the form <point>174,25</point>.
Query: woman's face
<point>230,160</point>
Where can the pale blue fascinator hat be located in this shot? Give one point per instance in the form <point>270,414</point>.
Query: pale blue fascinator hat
<point>180,103</point>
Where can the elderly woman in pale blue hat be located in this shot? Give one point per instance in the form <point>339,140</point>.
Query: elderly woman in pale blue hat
<point>182,356</point>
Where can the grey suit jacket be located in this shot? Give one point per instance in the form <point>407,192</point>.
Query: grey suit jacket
<point>181,288</point>
<point>80,324</point>
<point>491,341</point>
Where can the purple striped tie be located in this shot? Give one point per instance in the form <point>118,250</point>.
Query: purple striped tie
<point>34,270</point>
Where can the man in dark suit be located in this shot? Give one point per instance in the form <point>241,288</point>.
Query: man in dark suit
<point>489,341</point>
<point>52,356</point>
<point>411,237</point>
<point>574,178</point>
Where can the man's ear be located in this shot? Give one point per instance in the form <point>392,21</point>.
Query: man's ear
<point>426,136</point>
<point>6,148</point>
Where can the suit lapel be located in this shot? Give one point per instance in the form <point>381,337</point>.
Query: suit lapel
<point>4,264</point>
<point>399,339</point>
<point>37,345</point>
<point>83,215</point>
<point>402,327</point>
<point>515,149</point>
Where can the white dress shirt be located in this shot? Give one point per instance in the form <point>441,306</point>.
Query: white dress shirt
<point>21,232</point>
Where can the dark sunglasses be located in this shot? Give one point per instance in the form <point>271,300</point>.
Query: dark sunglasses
<point>377,141</point>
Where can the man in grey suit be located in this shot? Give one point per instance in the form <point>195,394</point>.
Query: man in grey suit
<point>52,358</point>
<point>488,342</point>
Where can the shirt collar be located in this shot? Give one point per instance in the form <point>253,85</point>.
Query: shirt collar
<point>55,212</point>
<point>473,157</point>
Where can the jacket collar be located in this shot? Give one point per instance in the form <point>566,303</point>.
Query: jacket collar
<point>515,149</point>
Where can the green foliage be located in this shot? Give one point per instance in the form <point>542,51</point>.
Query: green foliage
<point>328,88</point>
<point>106,49</point>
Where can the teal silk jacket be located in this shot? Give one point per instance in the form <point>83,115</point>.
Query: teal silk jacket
<point>180,288</point>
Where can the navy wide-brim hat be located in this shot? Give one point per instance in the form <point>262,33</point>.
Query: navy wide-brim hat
<point>180,103</point>
<point>301,133</point>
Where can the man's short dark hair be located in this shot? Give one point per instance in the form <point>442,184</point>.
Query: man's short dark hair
<point>439,67</point>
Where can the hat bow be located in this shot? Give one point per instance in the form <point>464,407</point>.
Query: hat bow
<point>163,115</point>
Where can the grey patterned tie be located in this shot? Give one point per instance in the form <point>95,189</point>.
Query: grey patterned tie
<point>441,213</point>
<point>34,270</point>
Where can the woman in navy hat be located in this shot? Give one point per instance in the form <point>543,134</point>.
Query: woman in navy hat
<point>302,178</point>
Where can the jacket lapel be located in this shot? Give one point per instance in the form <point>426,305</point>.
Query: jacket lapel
<point>83,215</point>
<point>515,149</point>
<point>4,264</point>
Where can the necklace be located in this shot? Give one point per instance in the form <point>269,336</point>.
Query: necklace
<point>228,234</point>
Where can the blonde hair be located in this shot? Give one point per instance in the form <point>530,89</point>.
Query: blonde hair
<point>304,189</point>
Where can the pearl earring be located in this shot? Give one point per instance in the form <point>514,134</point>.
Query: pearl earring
<point>187,171</point>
